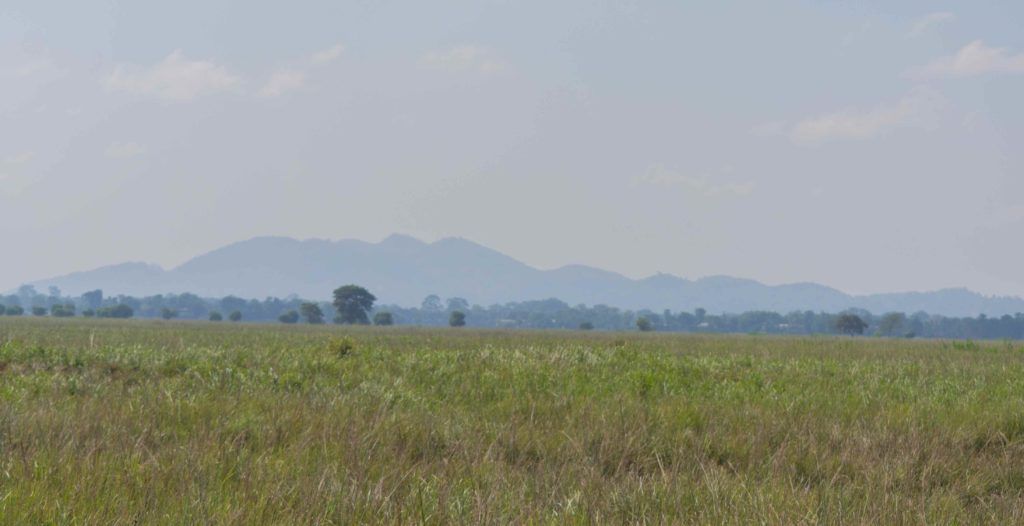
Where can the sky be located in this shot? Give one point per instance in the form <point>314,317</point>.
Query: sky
<point>872,146</point>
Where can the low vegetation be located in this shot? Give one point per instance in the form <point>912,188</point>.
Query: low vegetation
<point>353,304</point>
<point>167,422</point>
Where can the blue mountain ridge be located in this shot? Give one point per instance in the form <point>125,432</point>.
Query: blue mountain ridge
<point>403,270</point>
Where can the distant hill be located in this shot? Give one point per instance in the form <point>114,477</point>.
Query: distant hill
<point>403,270</point>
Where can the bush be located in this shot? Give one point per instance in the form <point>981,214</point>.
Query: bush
<point>39,311</point>
<point>168,314</point>
<point>312,313</point>
<point>644,324</point>
<point>586,326</point>
<point>121,311</point>
<point>62,311</point>
<point>15,311</point>
<point>216,316</point>
<point>88,313</point>
<point>289,317</point>
<point>341,346</point>
<point>383,319</point>
<point>457,319</point>
<point>235,316</point>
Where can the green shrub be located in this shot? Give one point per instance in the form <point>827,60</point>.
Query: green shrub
<point>341,347</point>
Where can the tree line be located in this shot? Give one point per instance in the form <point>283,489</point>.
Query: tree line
<point>353,304</point>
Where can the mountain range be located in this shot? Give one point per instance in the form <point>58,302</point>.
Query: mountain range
<point>403,270</point>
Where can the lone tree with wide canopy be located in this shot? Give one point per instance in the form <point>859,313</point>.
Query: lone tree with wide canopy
<point>850,324</point>
<point>353,304</point>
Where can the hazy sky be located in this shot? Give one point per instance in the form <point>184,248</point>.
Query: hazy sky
<point>871,146</point>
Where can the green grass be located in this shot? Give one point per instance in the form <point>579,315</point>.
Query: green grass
<point>179,423</point>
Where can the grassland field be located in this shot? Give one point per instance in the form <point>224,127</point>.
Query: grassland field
<point>134,422</point>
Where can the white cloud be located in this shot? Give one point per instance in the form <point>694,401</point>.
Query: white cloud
<point>327,55</point>
<point>973,59</point>
<point>660,176</point>
<point>19,159</point>
<point>124,150</point>
<point>464,58</point>
<point>175,78</point>
<point>283,82</point>
<point>919,108</point>
<point>928,22</point>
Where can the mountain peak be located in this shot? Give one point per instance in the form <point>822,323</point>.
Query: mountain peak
<point>401,241</point>
<point>402,238</point>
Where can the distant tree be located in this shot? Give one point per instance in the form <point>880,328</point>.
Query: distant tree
<point>233,303</point>
<point>586,326</point>
<point>235,316</point>
<point>457,319</point>
<point>168,313</point>
<point>457,304</point>
<point>699,314</point>
<point>93,299</point>
<point>432,303</point>
<point>383,319</point>
<point>39,311</point>
<point>62,311</point>
<point>353,303</point>
<point>15,310</point>
<point>88,313</point>
<point>54,291</point>
<point>892,324</point>
<point>312,313</point>
<point>644,324</point>
<point>3,309</point>
<point>216,316</point>
<point>289,317</point>
<point>121,311</point>
<point>27,294</point>
<point>850,324</point>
